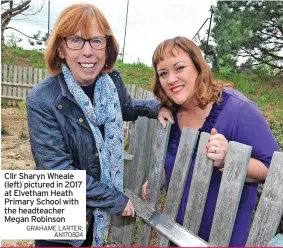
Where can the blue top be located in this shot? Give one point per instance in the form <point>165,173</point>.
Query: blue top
<point>238,119</point>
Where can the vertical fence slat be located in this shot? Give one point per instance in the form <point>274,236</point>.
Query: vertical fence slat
<point>127,123</point>
<point>14,89</point>
<point>10,79</point>
<point>270,207</point>
<point>232,182</point>
<point>151,131</point>
<point>20,82</point>
<point>35,76</point>
<point>30,79</point>
<point>132,124</point>
<point>150,137</point>
<point>160,143</point>
<point>5,73</point>
<point>137,173</point>
<point>199,187</point>
<point>179,177</point>
<point>46,73</point>
<point>39,75</point>
<point>25,81</point>
<point>133,90</point>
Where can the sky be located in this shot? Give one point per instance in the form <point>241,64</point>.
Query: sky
<point>149,22</point>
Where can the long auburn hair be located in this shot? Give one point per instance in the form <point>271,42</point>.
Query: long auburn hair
<point>207,89</point>
<point>74,18</point>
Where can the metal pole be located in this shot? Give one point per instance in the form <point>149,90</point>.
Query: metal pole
<point>48,17</point>
<point>211,9</point>
<point>125,32</point>
<point>200,28</point>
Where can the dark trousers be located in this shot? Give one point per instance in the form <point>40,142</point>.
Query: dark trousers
<point>86,243</point>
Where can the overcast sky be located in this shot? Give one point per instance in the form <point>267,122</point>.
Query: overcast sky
<point>149,22</point>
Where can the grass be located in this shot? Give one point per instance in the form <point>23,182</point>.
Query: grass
<point>4,131</point>
<point>18,56</point>
<point>267,95</point>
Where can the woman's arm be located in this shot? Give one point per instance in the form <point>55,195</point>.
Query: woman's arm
<point>50,153</point>
<point>252,129</point>
<point>133,108</point>
<point>257,171</point>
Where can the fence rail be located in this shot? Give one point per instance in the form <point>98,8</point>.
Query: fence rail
<point>17,81</point>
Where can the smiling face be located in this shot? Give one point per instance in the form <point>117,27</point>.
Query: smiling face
<point>177,75</point>
<point>86,63</point>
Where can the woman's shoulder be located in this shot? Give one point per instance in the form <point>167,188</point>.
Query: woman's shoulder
<point>236,96</point>
<point>47,88</point>
<point>239,104</point>
<point>114,74</point>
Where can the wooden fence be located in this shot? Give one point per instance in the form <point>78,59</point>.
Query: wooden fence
<point>147,153</point>
<point>17,81</point>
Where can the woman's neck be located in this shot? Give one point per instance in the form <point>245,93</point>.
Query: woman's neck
<point>193,116</point>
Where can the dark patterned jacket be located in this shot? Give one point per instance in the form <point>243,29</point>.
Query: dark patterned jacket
<point>61,138</point>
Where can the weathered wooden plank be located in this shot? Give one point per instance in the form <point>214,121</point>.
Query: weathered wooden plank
<point>179,177</point>
<point>5,73</point>
<point>276,241</point>
<point>150,136</point>
<point>115,232</point>
<point>19,85</point>
<point>14,88</point>
<point>12,98</point>
<point>131,124</point>
<point>10,78</point>
<point>20,81</point>
<point>127,168</point>
<point>137,173</point>
<point>199,187</point>
<point>139,93</point>
<point>133,90</point>
<point>140,154</point>
<point>35,76</point>
<point>270,207</point>
<point>25,81</point>
<point>169,228</point>
<point>231,186</point>
<point>30,77</point>
<point>159,147</point>
<point>39,75</point>
<point>46,73</point>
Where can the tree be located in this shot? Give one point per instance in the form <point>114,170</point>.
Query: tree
<point>37,39</point>
<point>249,33</point>
<point>10,9</point>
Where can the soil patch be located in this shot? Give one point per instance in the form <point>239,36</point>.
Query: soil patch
<point>15,151</point>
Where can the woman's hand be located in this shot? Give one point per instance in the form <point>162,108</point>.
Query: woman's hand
<point>165,114</point>
<point>129,209</point>
<point>144,188</point>
<point>216,148</point>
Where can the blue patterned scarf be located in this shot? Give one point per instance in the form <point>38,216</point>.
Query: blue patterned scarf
<point>105,110</point>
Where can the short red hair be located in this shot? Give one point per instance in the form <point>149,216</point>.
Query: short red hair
<point>74,18</point>
<point>207,89</point>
